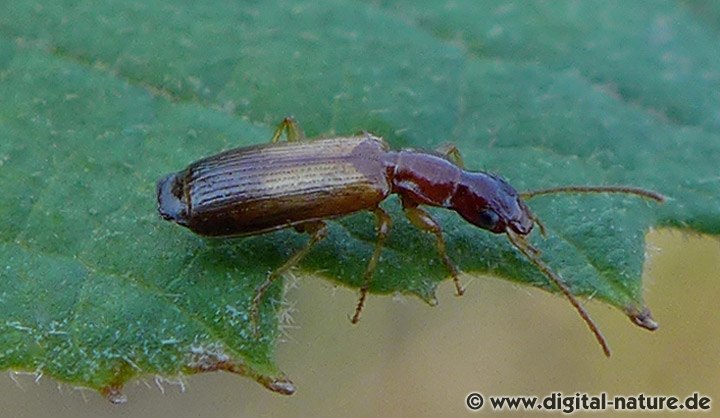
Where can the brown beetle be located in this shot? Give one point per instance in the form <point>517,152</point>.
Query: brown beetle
<point>262,188</point>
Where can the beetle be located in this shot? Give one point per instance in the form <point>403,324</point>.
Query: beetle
<point>298,184</point>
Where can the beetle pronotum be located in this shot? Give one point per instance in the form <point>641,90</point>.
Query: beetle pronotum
<point>263,188</point>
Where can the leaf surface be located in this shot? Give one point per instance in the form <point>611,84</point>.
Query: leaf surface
<point>101,99</point>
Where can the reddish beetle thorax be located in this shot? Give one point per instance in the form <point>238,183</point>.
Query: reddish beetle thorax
<point>425,179</point>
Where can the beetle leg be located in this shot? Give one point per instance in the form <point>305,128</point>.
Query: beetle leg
<point>452,153</point>
<point>383,223</point>
<point>291,128</point>
<point>318,231</point>
<point>421,219</point>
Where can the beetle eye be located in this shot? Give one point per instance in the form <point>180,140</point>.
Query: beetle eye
<point>487,219</point>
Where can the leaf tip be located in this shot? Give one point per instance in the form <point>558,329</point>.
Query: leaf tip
<point>642,317</point>
<point>427,293</point>
<point>281,384</point>
<point>212,357</point>
<point>113,394</point>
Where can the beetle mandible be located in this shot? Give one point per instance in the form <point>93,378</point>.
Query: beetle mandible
<point>262,188</point>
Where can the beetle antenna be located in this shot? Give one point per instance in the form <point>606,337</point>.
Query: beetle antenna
<point>531,254</point>
<point>638,191</point>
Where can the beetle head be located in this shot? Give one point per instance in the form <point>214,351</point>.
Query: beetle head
<point>489,202</point>
<point>171,200</point>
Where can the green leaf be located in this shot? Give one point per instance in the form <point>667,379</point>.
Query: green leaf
<point>101,99</point>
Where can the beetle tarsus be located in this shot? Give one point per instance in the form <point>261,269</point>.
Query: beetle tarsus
<point>383,222</point>
<point>360,305</point>
<point>451,152</point>
<point>318,230</point>
<point>291,128</point>
<point>422,220</point>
